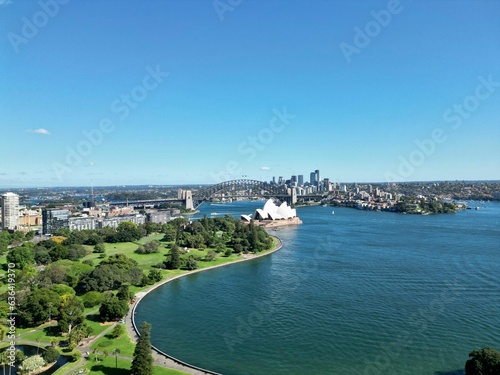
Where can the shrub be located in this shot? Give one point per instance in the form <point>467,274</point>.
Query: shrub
<point>51,355</point>
<point>76,356</point>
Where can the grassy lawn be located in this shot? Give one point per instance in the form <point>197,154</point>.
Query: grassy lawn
<point>44,335</point>
<point>67,367</point>
<point>108,343</point>
<point>107,366</point>
<point>94,322</point>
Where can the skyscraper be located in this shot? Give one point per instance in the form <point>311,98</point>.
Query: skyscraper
<point>10,211</point>
<point>301,180</point>
<point>312,178</point>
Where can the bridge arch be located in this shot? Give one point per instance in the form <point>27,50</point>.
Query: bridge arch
<point>257,188</point>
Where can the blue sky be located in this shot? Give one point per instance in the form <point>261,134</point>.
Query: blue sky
<point>190,91</point>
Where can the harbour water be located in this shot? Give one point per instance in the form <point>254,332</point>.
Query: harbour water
<point>354,292</point>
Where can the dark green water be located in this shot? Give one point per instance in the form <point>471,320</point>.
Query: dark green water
<point>349,293</point>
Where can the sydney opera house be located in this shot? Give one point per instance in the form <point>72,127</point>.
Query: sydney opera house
<point>272,215</point>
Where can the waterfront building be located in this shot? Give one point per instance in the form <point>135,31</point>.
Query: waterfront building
<point>54,219</point>
<point>271,211</point>
<point>10,211</point>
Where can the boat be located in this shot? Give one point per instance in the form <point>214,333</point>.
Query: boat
<point>213,213</point>
<point>333,212</point>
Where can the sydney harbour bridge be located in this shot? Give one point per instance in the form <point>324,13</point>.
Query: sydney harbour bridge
<point>228,190</point>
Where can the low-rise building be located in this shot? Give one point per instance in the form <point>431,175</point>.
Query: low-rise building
<point>114,221</point>
<point>82,223</point>
<point>159,217</point>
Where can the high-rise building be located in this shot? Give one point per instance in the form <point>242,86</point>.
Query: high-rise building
<point>293,179</point>
<point>10,211</point>
<point>280,180</point>
<point>300,180</point>
<point>326,184</point>
<point>318,177</point>
<point>312,178</point>
<point>54,219</point>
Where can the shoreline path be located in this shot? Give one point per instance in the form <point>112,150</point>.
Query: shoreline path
<point>163,359</point>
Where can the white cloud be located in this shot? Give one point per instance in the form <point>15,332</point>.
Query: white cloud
<point>41,131</point>
<point>265,168</point>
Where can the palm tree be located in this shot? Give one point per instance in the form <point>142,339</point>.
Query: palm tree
<point>116,351</point>
<point>38,344</point>
<point>4,359</point>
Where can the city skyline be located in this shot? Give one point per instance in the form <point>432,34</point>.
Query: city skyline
<point>166,93</point>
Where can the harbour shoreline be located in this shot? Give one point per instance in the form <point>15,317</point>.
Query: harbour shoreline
<point>164,359</point>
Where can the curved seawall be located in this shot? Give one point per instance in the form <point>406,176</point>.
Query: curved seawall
<point>164,359</point>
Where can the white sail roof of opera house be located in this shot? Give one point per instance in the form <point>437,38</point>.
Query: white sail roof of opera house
<point>270,211</point>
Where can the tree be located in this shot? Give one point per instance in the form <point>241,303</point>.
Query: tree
<point>100,248</point>
<point>58,252</point>
<point>76,252</point>
<point>4,359</point>
<point>191,263</point>
<point>154,276</point>
<point>21,256</point>
<point>40,305</point>
<point>149,248</point>
<point>175,260</point>
<point>116,351</point>
<point>124,293</point>
<point>127,232</point>
<point>485,361</point>
<point>71,312</point>
<point>113,309</point>
<point>117,331</point>
<point>210,255</point>
<point>51,355</point>
<point>92,298</point>
<point>76,356</point>
<point>62,289</point>
<point>143,359</point>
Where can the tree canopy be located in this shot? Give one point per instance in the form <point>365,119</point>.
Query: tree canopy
<point>143,359</point>
<point>485,361</point>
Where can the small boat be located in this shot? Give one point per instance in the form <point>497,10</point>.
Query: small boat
<point>333,212</point>
<point>213,213</point>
